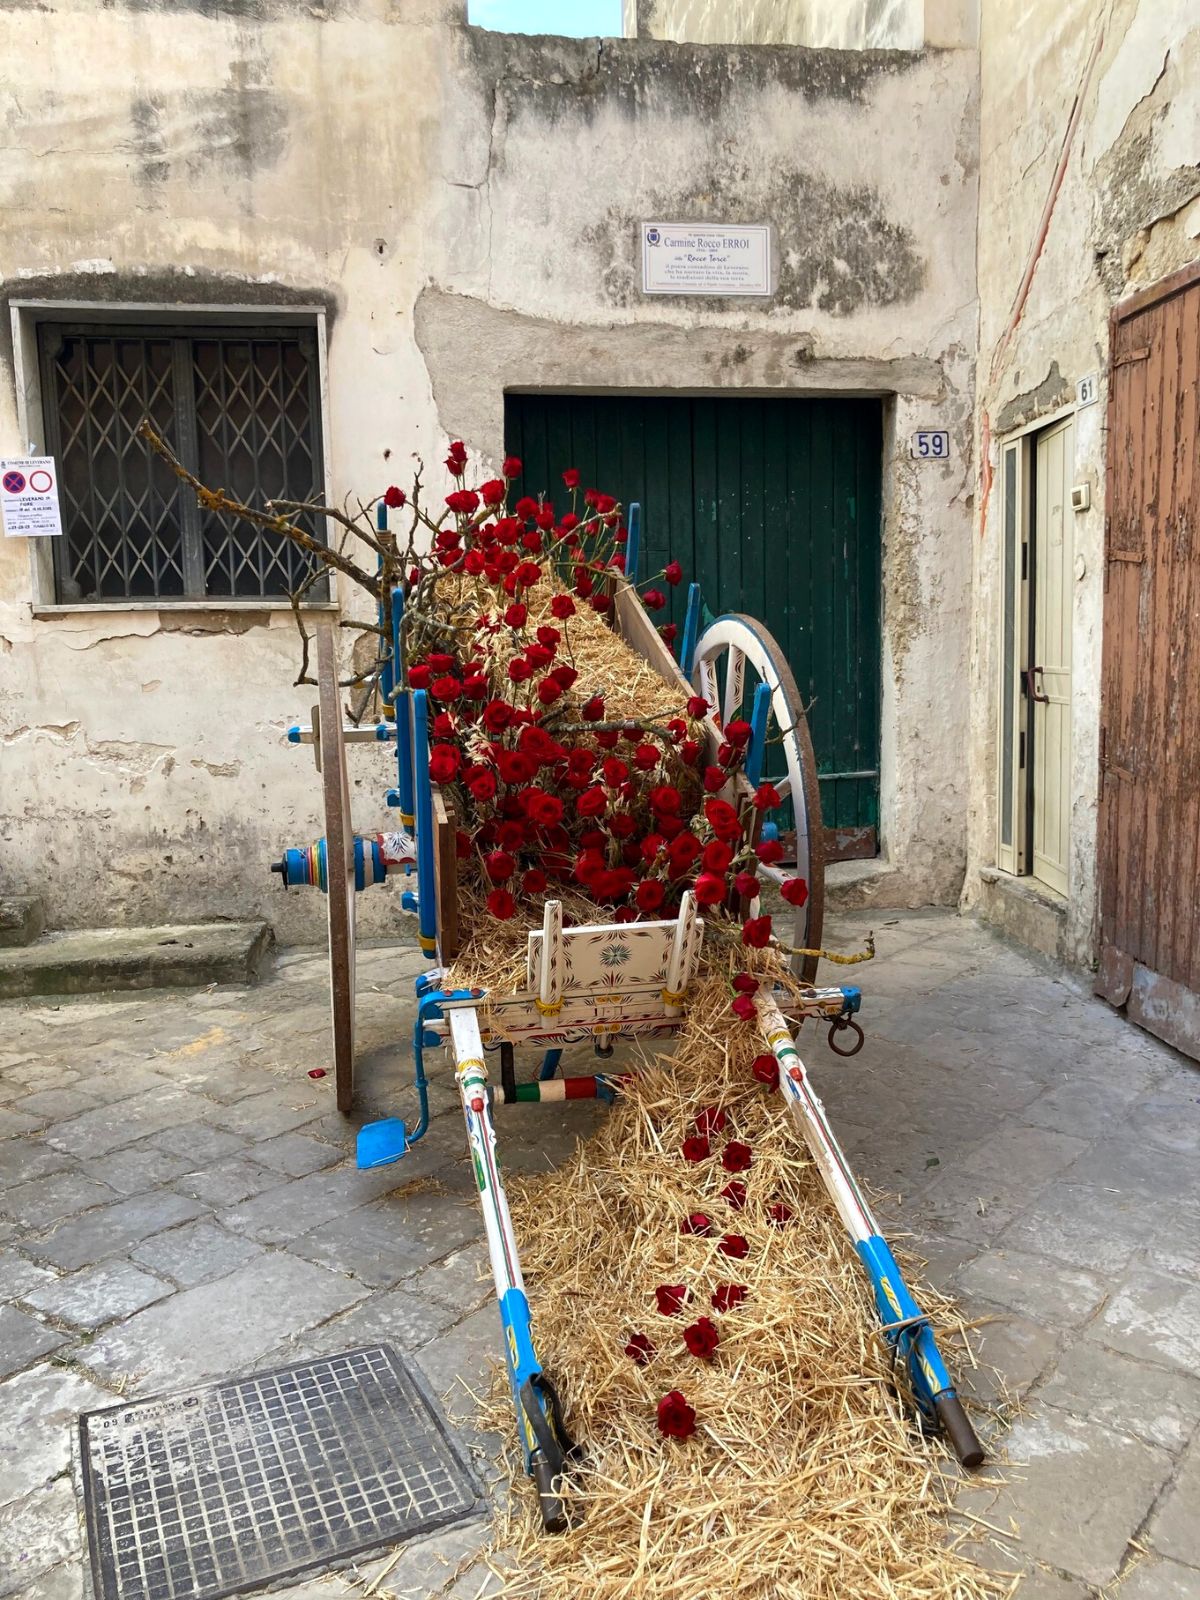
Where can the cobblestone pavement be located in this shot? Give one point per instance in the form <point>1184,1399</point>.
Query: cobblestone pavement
<point>179,1203</point>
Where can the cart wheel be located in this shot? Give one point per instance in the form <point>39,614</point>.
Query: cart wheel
<point>743,643</point>
<point>339,858</point>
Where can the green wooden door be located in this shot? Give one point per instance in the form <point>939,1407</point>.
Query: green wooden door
<point>773,506</point>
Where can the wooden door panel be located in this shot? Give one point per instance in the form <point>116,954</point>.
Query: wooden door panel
<point>1149,821</point>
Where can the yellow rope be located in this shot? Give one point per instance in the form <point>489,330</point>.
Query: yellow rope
<point>670,998</point>
<point>832,955</point>
<point>548,1008</point>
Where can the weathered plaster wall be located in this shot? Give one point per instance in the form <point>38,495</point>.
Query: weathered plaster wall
<point>1126,211</point>
<point>466,204</point>
<point>821,24</point>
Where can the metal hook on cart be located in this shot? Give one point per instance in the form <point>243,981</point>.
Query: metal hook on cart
<point>839,1025</point>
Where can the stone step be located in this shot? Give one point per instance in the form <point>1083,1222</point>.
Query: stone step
<point>88,960</point>
<point>22,918</point>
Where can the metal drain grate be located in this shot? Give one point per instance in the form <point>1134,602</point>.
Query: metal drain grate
<point>234,1485</point>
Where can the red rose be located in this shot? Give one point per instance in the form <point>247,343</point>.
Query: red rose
<point>562,607</point>
<point>549,690</point>
<point>499,865</point>
<point>672,1297</point>
<point>745,983</point>
<point>668,632</point>
<point>709,1120</point>
<point>528,573</point>
<point>743,1006</point>
<point>419,676</point>
<point>717,856</point>
<point>463,501</point>
<point>794,891</point>
<point>571,477</point>
<point>615,772</point>
<point>519,669</point>
<point>640,1349</point>
<point>727,756</point>
<point>673,572</point>
<point>766,797</point>
<point>769,851</point>
<point>697,706</point>
<point>709,889</point>
<point>702,1338</point>
<point>564,677</point>
<point>622,825</point>
<point>736,1157</point>
<point>697,1224</point>
<point>735,1193</point>
<point>682,852</point>
<point>501,904</point>
<point>394,497</point>
<point>580,762</point>
<point>756,932</point>
<point>481,781</point>
<point>462,845</point>
<point>475,687</point>
<point>493,491</point>
<point>444,762</point>
<point>714,780</point>
<point>665,798</point>
<point>608,739</point>
<point>695,1148</point>
<point>516,614</point>
<point>729,1295</point>
<point>592,802</point>
<point>511,467</point>
<point>738,733</point>
<point>525,506</point>
<point>544,809</point>
<point>583,584</point>
<point>780,1214</point>
<point>592,710</point>
<point>732,1244</point>
<point>676,1419</point>
<point>766,1070</point>
<point>649,894</point>
<point>723,820</point>
<point>443,725</point>
<point>654,599</point>
<point>497,715</point>
<point>645,757</point>
<point>439,662</point>
<point>534,882</point>
<point>689,752</point>
<point>745,885</point>
<point>514,766</point>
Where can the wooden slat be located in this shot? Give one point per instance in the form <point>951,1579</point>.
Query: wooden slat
<point>445,866</point>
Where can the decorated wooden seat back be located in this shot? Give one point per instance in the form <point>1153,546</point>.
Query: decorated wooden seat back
<point>617,960</point>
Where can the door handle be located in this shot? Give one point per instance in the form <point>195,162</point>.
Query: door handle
<point>1030,690</point>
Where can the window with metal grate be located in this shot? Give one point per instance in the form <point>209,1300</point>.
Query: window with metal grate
<point>240,407</point>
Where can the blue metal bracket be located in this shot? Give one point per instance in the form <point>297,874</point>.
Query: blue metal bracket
<point>633,544</point>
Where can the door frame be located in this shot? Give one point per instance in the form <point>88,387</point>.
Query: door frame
<point>1014,745</point>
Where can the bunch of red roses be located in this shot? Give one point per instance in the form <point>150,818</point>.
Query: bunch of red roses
<point>549,784</point>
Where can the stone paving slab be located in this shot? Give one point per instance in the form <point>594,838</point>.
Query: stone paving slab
<point>97,1295</point>
<point>23,1339</point>
<point>38,1412</point>
<point>112,1229</point>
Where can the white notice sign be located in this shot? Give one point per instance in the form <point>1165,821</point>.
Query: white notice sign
<point>29,497</point>
<point>705,258</point>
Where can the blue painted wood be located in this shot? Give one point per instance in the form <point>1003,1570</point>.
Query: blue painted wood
<point>633,545</point>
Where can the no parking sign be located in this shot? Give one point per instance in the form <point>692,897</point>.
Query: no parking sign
<point>29,497</point>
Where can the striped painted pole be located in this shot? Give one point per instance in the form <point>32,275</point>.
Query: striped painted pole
<point>905,1326</point>
<point>426,885</point>
<point>404,759</point>
<point>543,1455</point>
<point>597,1087</point>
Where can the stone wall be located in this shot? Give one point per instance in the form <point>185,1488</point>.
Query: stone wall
<point>463,205</point>
<point>1086,216</point>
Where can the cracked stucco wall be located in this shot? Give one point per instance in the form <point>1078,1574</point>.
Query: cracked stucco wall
<point>465,205</point>
<point>1126,212</point>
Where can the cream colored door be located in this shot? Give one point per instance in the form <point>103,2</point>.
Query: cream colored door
<point>1050,677</point>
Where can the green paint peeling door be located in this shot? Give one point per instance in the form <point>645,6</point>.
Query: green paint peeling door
<point>773,506</point>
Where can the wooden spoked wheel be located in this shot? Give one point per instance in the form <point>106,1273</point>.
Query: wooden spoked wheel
<point>734,655</point>
<point>339,866</point>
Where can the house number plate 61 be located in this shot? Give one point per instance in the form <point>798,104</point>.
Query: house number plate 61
<point>930,446</point>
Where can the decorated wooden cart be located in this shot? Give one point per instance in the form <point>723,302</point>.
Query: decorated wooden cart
<point>601,982</point>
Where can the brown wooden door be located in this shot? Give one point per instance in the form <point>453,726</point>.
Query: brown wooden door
<point>1149,823</point>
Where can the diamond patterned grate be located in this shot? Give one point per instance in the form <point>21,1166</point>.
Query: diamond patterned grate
<point>241,1483</point>
<point>241,410</point>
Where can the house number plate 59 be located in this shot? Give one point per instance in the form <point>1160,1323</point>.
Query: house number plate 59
<point>930,445</point>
